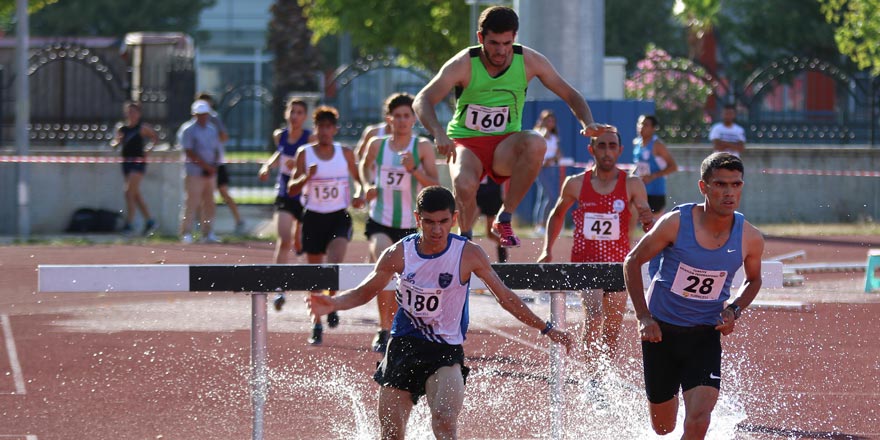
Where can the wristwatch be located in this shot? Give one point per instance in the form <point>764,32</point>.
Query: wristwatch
<point>737,310</point>
<point>547,328</point>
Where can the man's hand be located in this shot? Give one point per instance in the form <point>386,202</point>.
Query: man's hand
<point>561,337</point>
<point>649,330</point>
<point>445,146</point>
<point>371,193</point>
<point>728,322</point>
<point>596,129</point>
<point>318,305</point>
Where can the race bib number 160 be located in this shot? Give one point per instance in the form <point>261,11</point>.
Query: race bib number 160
<point>486,119</point>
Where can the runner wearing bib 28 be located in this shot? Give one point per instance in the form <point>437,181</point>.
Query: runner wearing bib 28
<point>698,248</point>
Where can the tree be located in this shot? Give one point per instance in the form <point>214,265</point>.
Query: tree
<point>7,11</point>
<point>699,17</point>
<point>858,30</point>
<point>297,62</point>
<point>631,24</point>
<point>423,33</point>
<point>117,17</point>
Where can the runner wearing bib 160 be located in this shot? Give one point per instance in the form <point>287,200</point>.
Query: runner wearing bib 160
<point>485,136</point>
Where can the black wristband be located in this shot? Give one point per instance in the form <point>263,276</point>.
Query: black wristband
<point>547,328</point>
<point>737,310</point>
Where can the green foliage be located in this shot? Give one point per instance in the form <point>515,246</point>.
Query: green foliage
<point>7,11</point>
<point>630,25</point>
<point>699,16</point>
<point>424,33</point>
<point>858,30</point>
<point>679,97</point>
<point>117,17</point>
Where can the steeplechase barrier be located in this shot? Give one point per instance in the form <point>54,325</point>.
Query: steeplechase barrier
<point>260,280</point>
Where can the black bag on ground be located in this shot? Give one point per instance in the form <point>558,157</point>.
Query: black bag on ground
<point>93,220</point>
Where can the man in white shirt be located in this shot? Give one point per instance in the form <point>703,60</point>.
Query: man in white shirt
<point>728,136</point>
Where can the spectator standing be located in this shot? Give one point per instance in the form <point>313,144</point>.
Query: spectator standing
<point>727,135</point>
<point>548,179</point>
<point>200,141</point>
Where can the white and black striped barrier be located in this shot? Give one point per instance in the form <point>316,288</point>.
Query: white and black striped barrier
<point>258,280</point>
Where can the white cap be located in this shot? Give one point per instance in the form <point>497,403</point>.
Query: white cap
<point>200,107</point>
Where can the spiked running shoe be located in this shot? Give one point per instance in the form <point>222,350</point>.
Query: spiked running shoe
<point>504,231</point>
<point>279,301</point>
<point>317,335</point>
<point>332,319</point>
<point>380,341</point>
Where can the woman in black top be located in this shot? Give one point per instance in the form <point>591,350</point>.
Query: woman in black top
<point>132,136</point>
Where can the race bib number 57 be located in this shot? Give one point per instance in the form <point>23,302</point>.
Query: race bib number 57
<point>486,119</point>
<point>698,284</point>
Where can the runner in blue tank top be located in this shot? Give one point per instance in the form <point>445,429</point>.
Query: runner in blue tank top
<point>424,355</point>
<point>700,248</point>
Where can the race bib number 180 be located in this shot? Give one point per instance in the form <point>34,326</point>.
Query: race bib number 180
<point>420,302</point>
<point>486,119</point>
<point>699,284</point>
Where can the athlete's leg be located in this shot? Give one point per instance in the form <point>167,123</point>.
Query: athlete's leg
<point>465,173</point>
<point>663,415</point>
<point>519,156</point>
<point>591,300</point>
<point>395,406</point>
<point>230,202</point>
<point>315,259</point>
<point>614,306</point>
<point>698,405</point>
<point>284,225</point>
<point>444,391</point>
<point>385,300</point>
<point>131,182</point>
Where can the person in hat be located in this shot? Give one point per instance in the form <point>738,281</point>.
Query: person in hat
<point>200,141</point>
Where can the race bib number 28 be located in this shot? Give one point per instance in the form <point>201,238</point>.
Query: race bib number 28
<point>486,119</point>
<point>698,284</point>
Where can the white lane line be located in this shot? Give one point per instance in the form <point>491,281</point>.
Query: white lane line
<point>17,377</point>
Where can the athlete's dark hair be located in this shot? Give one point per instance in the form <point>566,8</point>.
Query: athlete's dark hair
<point>296,101</point>
<point>718,160</point>
<point>397,100</point>
<point>132,104</point>
<point>325,113</point>
<point>435,198</point>
<point>654,121</point>
<point>596,138</point>
<point>498,19</point>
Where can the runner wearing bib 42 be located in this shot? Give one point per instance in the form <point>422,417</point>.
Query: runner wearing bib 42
<point>601,223</point>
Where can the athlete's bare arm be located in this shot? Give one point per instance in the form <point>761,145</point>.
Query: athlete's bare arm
<point>425,172</point>
<point>367,168</point>
<point>663,234</point>
<point>537,65</point>
<point>753,249</point>
<point>476,262</point>
<point>456,72</point>
<point>638,197</point>
<point>390,262</point>
<point>571,189</point>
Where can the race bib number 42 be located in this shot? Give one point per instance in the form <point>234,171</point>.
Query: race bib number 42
<point>601,226</point>
<point>486,119</point>
<point>699,284</point>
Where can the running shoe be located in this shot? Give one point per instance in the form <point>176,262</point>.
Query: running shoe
<point>333,319</point>
<point>211,238</point>
<point>317,335</point>
<point>380,341</point>
<point>150,228</point>
<point>504,231</point>
<point>279,301</point>
<point>127,229</point>
<point>186,239</point>
<point>240,228</point>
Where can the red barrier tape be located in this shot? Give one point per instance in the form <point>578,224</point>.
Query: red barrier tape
<point>117,159</point>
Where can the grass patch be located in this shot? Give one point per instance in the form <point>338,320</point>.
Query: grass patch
<point>826,229</point>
